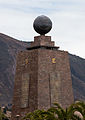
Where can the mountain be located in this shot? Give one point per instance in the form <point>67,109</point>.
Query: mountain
<point>77,66</point>
<point>9,48</point>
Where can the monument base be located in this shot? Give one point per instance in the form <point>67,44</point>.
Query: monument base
<point>42,78</point>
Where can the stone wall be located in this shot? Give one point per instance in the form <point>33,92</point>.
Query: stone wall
<point>48,81</point>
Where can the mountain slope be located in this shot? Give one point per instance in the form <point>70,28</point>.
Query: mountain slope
<point>78,76</point>
<point>8,50</point>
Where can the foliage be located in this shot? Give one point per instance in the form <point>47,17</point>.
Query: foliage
<point>40,115</point>
<point>64,114</point>
<point>58,113</point>
<point>2,115</point>
<point>80,106</point>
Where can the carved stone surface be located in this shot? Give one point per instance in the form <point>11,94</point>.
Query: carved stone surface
<point>42,41</point>
<point>55,87</point>
<point>42,24</point>
<point>49,81</point>
<point>24,90</point>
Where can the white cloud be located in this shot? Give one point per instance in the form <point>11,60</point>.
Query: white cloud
<point>68,32</point>
<point>68,16</point>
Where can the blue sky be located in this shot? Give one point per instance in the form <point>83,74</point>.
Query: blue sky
<point>68,17</point>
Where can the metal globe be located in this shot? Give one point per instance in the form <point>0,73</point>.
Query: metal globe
<point>42,24</point>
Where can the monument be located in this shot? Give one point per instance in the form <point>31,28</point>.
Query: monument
<point>42,74</point>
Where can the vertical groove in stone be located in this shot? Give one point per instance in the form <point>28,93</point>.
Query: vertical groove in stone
<point>24,90</point>
<point>49,89</point>
<point>55,83</point>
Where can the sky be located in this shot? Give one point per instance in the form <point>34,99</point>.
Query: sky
<point>68,18</point>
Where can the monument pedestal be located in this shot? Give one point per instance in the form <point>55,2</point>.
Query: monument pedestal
<point>42,41</point>
<point>42,78</point>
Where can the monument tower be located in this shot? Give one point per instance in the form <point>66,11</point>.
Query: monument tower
<point>42,74</point>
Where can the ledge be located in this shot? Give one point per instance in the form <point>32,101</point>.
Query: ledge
<point>42,47</point>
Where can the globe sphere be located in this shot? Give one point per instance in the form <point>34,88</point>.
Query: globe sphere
<point>42,24</point>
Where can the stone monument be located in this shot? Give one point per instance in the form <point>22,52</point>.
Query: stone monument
<point>42,74</point>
